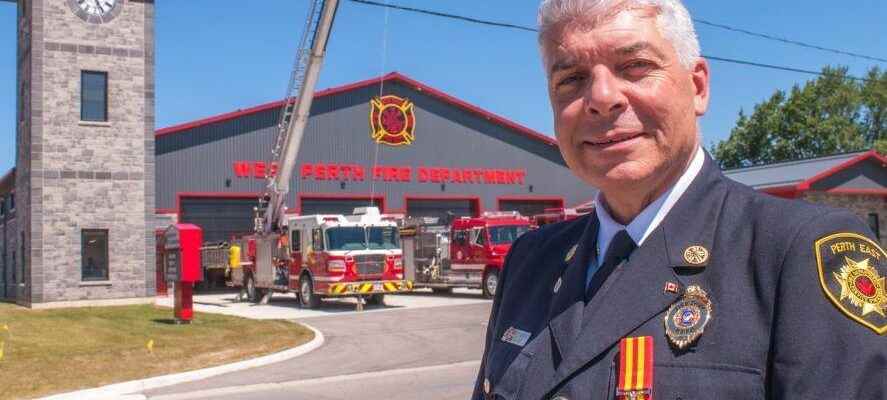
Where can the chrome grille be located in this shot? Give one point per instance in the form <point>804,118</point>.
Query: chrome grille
<point>370,264</point>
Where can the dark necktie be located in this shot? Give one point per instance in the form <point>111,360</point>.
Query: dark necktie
<point>620,247</point>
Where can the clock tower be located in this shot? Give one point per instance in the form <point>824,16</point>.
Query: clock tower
<point>84,180</point>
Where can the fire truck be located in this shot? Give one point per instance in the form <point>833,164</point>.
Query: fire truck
<point>317,255</point>
<point>468,252</point>
<point>552,215</point>
<point>322,256</point>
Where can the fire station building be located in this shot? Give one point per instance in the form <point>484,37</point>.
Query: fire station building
<point>392,142</point>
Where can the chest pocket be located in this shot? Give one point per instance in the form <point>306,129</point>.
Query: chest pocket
<point>683,381</point>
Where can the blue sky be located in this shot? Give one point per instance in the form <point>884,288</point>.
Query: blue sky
<point>218,56</point>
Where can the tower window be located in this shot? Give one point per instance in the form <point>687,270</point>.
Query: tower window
<point>94,254</point>
<point>93,96</point>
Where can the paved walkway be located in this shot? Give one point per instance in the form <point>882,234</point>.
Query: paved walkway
<point>411,352</point>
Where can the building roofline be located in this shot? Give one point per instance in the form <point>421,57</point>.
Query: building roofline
<point>794,162</point>
<point>393,76</point>
<point>803,186</point>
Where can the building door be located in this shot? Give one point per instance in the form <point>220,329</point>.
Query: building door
<point>442,208</point>
<point>220,218</point>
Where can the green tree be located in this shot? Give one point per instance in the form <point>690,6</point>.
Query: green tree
<point>833,113</point>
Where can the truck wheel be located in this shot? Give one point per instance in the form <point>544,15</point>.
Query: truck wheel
<point>491,281</point>
<point>307,298</point>
<point>377,299</point>
<point>252,294</point>
<point>442,290</point>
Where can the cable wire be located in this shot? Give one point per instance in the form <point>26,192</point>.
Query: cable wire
<point>722,59</point>
<point>788,41</point>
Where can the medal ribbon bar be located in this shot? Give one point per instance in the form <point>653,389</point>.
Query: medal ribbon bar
<point>635,369</point>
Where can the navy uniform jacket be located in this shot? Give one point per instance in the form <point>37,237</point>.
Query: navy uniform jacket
<point>774,334</point>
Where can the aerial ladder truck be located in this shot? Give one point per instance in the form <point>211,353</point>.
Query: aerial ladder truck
<point>319,255</point>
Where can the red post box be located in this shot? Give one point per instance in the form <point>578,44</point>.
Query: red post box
<point>182,259</point>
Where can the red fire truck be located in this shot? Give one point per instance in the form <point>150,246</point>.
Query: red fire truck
<point>552,215</point>
<point>468,252</point>
<point>321,256</point>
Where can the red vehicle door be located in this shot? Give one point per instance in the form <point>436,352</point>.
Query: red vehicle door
<point>479,246</point>
<point>460,246</point>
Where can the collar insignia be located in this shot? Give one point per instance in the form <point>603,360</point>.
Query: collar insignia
<point>571,253</point>
<point>852,275</point>
<point>696,255</point>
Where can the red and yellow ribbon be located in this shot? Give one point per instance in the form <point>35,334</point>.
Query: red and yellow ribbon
<point>635,368</point>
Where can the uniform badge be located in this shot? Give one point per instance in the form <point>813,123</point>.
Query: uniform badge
<point>852,274</point>
<point>635,381</point>
<point>516,336</point>
<point>686,319</point>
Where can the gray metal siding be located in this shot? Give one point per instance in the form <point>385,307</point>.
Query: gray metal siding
<point>200,160</point>
<point>868,174</point>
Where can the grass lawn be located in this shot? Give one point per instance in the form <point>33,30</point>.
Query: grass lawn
<point>53,351</point>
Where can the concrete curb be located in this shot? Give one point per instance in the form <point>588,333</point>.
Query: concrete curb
<point>120,390</point>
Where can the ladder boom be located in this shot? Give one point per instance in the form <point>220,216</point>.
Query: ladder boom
<point>297,107</point>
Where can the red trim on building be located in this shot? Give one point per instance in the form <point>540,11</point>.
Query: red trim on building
<point>804,186</point>
<point>500,199</point>
<point>393,76</point>
<point>212,195</point>
<point>475,200</point>
<point>340,196</point>
<point>787,192</point>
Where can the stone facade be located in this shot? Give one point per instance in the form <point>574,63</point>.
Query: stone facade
<point>80,175</point>
<point>861,204</point>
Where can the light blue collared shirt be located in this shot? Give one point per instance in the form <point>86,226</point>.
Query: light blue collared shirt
<point>645,222</point>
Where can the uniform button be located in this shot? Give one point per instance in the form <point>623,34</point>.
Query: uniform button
<point>487,385</point>
<point>557,285</point>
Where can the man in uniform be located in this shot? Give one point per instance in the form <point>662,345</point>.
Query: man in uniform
<point>682,284</point>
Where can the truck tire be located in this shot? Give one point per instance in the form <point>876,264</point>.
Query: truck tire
<point>252,293</point>
<point>307,298</point>
<point>377,299</point>
<point>490,283</point>
<point>442,290</point>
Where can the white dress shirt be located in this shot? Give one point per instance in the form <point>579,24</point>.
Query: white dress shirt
<point>645,222</point>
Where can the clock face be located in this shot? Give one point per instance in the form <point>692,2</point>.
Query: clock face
<point>97,7</point>
<point>96,11</point>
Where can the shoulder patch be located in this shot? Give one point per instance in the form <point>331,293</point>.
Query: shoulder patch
<point>852,270</point>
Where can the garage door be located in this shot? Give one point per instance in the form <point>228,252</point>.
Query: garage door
<point>335,206</point>
<point>219,218</point>
<point>529,207</point>
<point>440,208</point>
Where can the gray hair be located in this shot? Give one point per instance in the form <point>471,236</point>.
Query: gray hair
<point>672,19</point>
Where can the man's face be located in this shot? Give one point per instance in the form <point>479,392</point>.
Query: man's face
<point>625,109</point>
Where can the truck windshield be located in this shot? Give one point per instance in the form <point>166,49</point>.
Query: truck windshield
<point>346,238</point>
<point>382,238</point>
<point>361,238</point>
<point>506,233</point>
